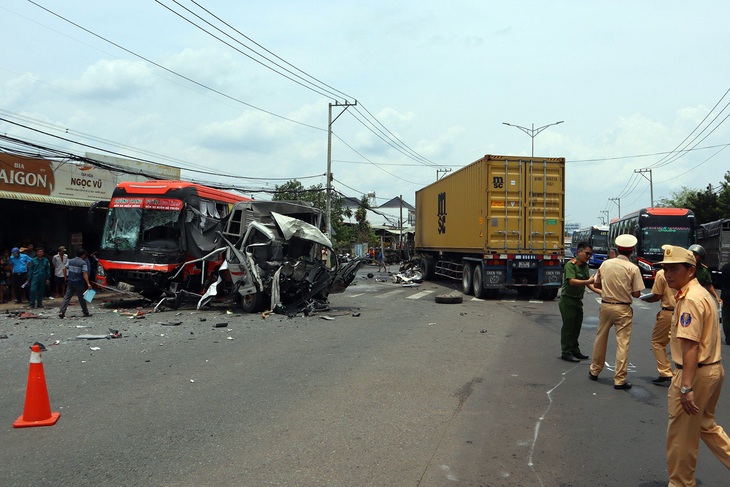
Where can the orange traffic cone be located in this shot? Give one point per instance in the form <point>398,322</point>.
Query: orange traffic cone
<point>37,411</point>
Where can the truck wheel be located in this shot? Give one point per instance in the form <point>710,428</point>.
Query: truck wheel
<point>466,279</point>
<point>426,265</point>
<point>547,293</point>
<point>251,302</point>
<point>479,291</point>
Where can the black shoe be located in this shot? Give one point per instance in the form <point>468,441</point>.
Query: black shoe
<point>592,377</point>
<point>661,380</point>
<point>580,356</point>
<point>569,358</point>
<point>625,386</point>
<point>86,315</point>
<point>61,315</point>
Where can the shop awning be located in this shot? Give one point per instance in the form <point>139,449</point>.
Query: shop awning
<point>39,198</point>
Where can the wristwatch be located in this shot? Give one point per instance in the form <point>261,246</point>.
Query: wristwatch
<point>685,390</point>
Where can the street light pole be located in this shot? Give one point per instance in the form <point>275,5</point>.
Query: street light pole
<point>532,132</point>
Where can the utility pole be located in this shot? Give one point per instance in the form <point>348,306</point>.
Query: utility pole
<point>618,202</point>
<point>533,131</point>
<point>651,182</point>
<point>441,171</point>
<point>606,220</point>
<point>400,224</point>
<point>328,211</point>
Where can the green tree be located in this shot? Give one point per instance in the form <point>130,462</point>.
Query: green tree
<point>708,205</point>
<point>364,232</point>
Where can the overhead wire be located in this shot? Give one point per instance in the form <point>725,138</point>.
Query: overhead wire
<point>126,156</point>
<point>302,83</point>
<point>345,95</point>
<point>186,78</point>
<point>388,137</point>
<point>663,161</point>
<point>373,163</point>
<point>392,137</point>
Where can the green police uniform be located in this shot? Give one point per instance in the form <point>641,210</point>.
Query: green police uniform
<point>571,306</point>
<point>703,275</point>
<point>39,271</point>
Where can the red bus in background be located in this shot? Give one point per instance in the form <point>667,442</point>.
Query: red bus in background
<point>654,227</point>
<point>153,228</point>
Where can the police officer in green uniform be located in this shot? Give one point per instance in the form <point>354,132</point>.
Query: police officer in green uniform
<point>703,273</point>
<point>575,279</point>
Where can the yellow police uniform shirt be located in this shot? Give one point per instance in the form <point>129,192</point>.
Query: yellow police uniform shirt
<point>695,318</point>
<point>661,287</point>
<point>618,278</point>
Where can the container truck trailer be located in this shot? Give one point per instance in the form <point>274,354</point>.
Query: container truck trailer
<point>715,238</point>
<point>495,224</point>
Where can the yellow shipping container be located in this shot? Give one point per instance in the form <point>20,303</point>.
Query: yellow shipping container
<point>498,204</point>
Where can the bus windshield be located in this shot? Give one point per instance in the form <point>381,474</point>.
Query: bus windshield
<point>135,228</point>
<point>653,237</point>
<point>600,242</point>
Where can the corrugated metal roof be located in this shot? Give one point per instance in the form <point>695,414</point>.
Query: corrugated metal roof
<point>39,198</point>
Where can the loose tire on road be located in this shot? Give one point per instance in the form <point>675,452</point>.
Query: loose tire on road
<point>466,279</point>
<point>449,299</point>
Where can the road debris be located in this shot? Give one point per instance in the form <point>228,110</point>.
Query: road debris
<point>27,315</point>
<point>449,298</point>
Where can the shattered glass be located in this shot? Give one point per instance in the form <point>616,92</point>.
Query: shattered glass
<point>125,226</point>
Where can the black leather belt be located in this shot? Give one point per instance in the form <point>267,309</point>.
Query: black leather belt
<point>667,309</point>
<point>609,302</point>
<point>699,366</point>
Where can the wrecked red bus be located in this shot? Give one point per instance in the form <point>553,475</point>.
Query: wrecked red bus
<point>153,228</point>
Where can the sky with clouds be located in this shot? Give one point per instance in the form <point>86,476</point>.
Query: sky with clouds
<point>632,81</point>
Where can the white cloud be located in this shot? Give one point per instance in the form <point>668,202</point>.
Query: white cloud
<point>112,79</point>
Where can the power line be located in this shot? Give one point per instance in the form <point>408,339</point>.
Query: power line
<point>374,164</point>
<point>5,137</point>
<point>186,78</point>
<point>270,52</point>
<point>662,162</point>
<point>290,78</point>
<point>415,155</point>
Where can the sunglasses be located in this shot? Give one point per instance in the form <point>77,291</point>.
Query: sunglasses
<point>588,253</point>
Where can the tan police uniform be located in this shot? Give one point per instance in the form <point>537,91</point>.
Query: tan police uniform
<point>696,319</point>
<point>662,325</point>
<point>618,278</point>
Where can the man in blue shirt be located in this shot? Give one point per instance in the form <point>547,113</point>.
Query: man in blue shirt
<point>20,262</point>
<point>77,282</point>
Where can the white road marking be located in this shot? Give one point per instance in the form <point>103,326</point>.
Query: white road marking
<point>389,294</point>
<point>420,295</point>
<point>354,295</point>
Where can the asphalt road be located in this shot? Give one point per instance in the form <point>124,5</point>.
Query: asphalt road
<point>408,393</point>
